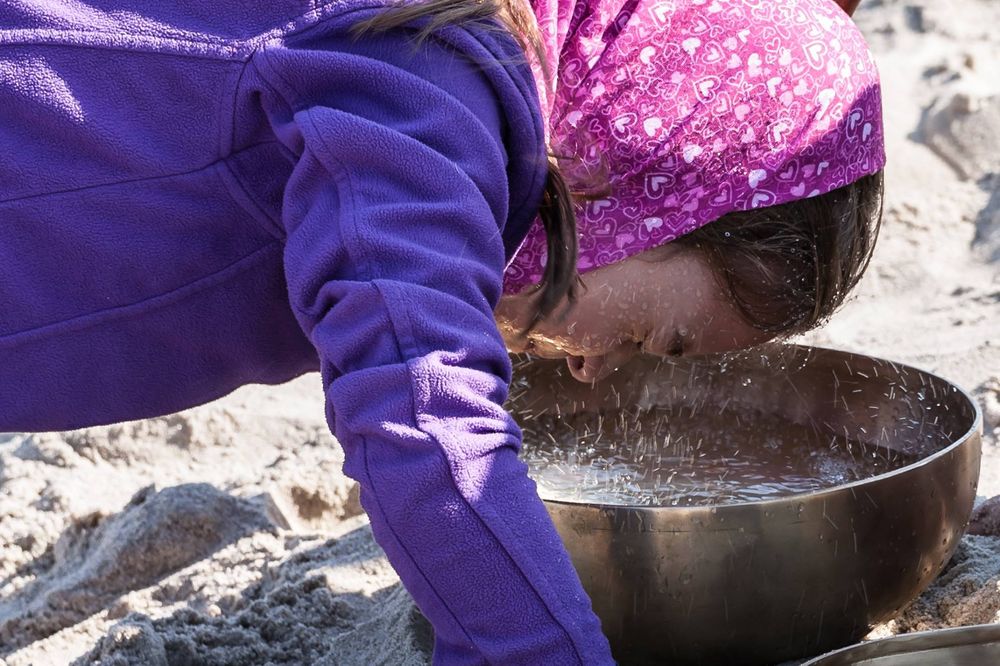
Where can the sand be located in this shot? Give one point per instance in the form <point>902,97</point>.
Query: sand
<point>223,535</point>
<point>228,535</point>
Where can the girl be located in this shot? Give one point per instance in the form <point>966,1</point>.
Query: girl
<point>194,197</point>
<point>762,120</point>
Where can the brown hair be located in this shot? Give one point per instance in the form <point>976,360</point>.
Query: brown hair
<point>558,217</point>
<point>789,267</point>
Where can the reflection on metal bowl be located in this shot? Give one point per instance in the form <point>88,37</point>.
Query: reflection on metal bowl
<point>964,646</point>
<point>759,582</point>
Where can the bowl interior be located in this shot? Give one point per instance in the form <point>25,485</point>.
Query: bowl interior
<point>723,430</point>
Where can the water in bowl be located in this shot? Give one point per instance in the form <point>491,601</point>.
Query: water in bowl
<point>677,456</point>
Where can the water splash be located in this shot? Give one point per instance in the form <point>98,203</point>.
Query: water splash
<point>680,456</point>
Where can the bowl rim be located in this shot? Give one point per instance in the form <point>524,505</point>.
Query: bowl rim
<point>911,643</point>
<point>974,429</point>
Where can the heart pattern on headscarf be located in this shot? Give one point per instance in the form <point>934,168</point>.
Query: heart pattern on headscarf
<point>693,109</point>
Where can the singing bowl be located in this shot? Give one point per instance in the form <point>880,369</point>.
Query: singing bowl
<point>966,646</point>
<point>765,581</point>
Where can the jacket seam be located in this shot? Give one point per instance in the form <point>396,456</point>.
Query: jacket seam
<point>221,49</point>
<point>418,421</point>
<point>239,192</point>
<point>96,186</point>
<point>225,50</point>
<point>340,175</point>
<point>402,545</point>
<point>371,478</point>
<point>246,203</point>
<point>147,304</point>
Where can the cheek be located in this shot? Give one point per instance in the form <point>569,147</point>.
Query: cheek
<point>728,332</point>
<point>584,330</point>
<point>609,320</point>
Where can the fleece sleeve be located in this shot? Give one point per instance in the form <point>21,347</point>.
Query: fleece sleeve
<point>394,260</point>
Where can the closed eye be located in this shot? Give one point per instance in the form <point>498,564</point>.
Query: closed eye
<point>674,348</point>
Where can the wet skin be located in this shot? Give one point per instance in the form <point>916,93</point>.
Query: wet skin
<point>664,301</point>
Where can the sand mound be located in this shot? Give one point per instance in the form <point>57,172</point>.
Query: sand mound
<point>987,239</point>
<point>303,610</point>
<point>97,558</point>
<point>964,130</point>
<point>967,592</point>
<point>224,530</point>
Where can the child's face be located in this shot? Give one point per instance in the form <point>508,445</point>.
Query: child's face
<point>665,301</point>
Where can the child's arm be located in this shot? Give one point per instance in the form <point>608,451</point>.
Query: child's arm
<point>394,262</point>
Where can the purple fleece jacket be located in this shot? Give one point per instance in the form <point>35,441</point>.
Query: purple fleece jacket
<point>197,195</point>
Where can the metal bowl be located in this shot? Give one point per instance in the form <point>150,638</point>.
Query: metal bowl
<point>965,646</point>
<point>765,581</point>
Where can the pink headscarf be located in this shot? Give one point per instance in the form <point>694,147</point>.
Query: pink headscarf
<point>698,108</point>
